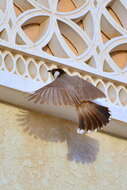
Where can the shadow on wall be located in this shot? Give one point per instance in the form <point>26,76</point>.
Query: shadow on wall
<point>81,148</point>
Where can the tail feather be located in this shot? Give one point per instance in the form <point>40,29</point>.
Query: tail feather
<point>81,122</point>
<point>97,118</point>
<point>92,116</point>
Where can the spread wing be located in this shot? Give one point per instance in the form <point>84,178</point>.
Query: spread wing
<point>66,90</point>
<point>56,93</point>
<point>85,90</point>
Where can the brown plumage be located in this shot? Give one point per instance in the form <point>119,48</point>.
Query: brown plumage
<point>72,90</point>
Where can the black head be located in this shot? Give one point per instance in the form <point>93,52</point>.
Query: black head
<point>56,72</point>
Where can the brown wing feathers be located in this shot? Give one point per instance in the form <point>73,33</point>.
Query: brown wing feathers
<point>67,90</point>
<point>92,116</point>
<point>55,96</point>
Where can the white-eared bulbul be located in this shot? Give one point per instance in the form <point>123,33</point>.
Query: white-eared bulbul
<point>74,91</point>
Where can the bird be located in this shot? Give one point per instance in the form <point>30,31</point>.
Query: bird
<point>74,91</point>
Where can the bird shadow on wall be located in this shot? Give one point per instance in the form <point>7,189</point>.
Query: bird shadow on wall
<point>81,148</point>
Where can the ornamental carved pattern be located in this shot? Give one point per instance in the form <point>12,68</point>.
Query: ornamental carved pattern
<point>81,35</point>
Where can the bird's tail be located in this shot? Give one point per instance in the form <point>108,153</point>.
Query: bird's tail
<point>92,116</point>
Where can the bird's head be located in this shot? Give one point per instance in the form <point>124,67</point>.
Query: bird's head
<point>56,72</point>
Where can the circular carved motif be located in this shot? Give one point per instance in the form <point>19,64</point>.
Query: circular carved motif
<point>92,33</point>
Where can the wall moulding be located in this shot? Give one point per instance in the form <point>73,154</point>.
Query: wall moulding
<point>87,38</point>
<point>69,33</point>
<point>26,74</point>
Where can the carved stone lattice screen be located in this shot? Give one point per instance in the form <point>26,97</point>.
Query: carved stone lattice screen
<point>85,37</point>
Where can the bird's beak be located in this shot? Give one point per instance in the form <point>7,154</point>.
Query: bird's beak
<point>49,71</point>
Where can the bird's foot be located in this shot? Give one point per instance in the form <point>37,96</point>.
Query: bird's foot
<point>80,131</point>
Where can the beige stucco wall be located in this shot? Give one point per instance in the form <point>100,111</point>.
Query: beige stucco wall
<point>39,152</point>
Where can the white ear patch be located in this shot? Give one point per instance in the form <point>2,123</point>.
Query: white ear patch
<point>56,74</point>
